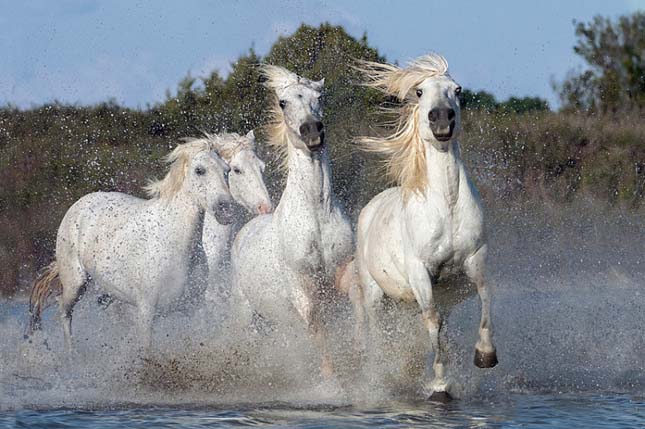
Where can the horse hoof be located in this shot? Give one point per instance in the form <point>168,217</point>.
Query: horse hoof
<point>441,397</point>
<point>485,359</point>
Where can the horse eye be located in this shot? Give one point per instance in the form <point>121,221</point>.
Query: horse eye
<point>282,103</point>
<point>458,90</point>
<point>419,93</point>
<point>236,170</point>
<point>200,171</point>
<point>299,95</point>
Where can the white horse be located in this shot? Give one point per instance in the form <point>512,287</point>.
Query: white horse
<point>283,262</point>
<point>139,251</point>
<point>246,183</point>
<point>432,221</point>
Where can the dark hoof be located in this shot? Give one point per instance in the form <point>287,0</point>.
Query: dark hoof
<point>441,397</point>
<point>485,359</point>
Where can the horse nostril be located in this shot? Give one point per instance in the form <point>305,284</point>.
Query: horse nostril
<point>433,115</point>
<point>225,206</point>
<point>451,114</point>
<point>264,208</point>
<point>311,129</point>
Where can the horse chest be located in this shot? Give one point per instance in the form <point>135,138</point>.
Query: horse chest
<point>310,241</point>
<point>447,240</point>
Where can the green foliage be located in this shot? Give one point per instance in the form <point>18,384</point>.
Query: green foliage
<point>524,105</point>
<point>615,55</point>
<point>485,101</point>
<point>477,100</point>
<point>554,157</point>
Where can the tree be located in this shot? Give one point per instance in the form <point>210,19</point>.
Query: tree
<point>523,105</point>
<point>477,100</point>
<point>615,55</point>
<point>485,101</point>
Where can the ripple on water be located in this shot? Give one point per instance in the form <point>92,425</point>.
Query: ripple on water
<point>566,411</point>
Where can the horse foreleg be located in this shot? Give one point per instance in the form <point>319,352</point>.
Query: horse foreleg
<point>347,282</point>
<point>320,339</point>
<point>309,308</point>
<point>422,288</point>
<point>485,353</point>
<point>144,328</point>
<point>357,298</point>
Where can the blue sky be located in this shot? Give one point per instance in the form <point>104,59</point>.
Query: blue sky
<point>85,51</point>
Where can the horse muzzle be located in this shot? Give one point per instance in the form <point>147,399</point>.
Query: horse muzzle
<point>313,134</point>
<point>442,123</point>
<point>264,208</point>
<point>225,212</point>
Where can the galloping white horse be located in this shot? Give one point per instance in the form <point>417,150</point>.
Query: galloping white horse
<point>139,251</point>
<point>284,261</point>
<point>246,183</point>
<point>433,220</point>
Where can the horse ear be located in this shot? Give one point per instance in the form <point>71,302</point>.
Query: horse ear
<point>319,85</point>
<point>250,135</point>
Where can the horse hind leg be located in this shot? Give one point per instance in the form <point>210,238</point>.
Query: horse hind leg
<point>73,288</point>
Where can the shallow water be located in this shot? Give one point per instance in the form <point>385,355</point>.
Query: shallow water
<point>568,310</point>
<point>562,411</point>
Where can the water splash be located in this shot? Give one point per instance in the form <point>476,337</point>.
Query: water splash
<point>568,311</point>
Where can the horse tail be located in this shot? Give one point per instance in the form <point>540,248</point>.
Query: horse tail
<point>46,284</point>
<point>346,277</point>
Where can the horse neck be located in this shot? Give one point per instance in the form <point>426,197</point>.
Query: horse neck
<point>443,172</point>
<point>309,179</point>
<point>182,218</point>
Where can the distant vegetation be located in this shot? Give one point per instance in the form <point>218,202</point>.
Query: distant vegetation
<point>614,80</point>
<point>518,149</point>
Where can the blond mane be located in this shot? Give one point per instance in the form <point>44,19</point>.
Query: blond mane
<point>404,151</point>
<point>277,133</point>
<point>178,159</point>
<point>226,145</point>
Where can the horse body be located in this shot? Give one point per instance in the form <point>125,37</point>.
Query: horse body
<point>95,242</point>
<point>293,252</point>
<point>246,183</point>
<point>282,263</point>
<point>432,222</point>
<point>440,228</point>
<point>139,251</point>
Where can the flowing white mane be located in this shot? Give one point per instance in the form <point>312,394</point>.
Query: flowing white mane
<point>400,82</point>
<point>403,149</point>
<point>227,145</point>
<point>178,159</point>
